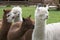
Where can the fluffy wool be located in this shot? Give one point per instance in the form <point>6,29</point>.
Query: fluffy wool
<point>41,14</point>
<point>52,31</point>
<point>43,31</point>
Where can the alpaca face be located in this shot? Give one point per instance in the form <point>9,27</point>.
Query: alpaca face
<point>6,12</point>
<point>42,13</point>
<point>10,17</point>
<point>27,22</point>
<point>14,13</point>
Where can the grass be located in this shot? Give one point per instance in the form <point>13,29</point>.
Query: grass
<point>54,16</point>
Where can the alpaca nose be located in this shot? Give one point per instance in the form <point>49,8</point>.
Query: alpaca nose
<point>13,17</point>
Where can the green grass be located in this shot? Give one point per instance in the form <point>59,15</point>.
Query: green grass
<point>28,11</point>
<point>54,16</point>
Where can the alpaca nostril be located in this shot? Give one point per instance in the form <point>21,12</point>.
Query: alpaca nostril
<point>18,15</point>
<point>12,17</point>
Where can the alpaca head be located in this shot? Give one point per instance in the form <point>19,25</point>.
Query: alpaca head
<point>10,17</point>
<point>27,23</point>
<point>14,13</point>
<point>5,14</point>
<point>41,13</point>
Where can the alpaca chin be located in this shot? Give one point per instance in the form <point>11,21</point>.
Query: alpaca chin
<point>9,21</point>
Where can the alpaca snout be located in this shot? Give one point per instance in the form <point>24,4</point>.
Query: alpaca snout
<point>13,17</point>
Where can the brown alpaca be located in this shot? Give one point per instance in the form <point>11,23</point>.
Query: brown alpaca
<point>28,33</point>
<point>5,26</point>
<point>18,29</point>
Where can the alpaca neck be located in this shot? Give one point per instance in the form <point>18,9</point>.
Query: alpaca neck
<point>39,29</point>
<point>39,23</point>
<point>21,31</point>
<point>5,28</point>
<point>6,24</point>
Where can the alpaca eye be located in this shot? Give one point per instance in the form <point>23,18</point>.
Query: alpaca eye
<point>8,15</point>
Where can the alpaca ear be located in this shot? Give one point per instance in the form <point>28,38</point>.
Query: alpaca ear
<point>29,16</point>
<point>47,6</point>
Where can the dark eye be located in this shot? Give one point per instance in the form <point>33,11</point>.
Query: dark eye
<point>8,15</point>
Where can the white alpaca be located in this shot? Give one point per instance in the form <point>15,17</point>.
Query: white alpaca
<point>15,14</point>
<point>43,31</point>
<point>41,14</point>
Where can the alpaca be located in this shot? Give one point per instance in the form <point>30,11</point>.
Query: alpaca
<point>18,29</point>
<point>43,31</point>
<point>15,14</point>
<point>5,26</point>
<point>28,33</point>
<point>41,14</point>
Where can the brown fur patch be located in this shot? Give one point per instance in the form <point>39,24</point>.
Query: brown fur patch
<point>5,26</point>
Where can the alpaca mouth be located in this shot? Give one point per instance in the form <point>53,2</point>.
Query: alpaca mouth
<point>9,21</point>
<point>47,17</point>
